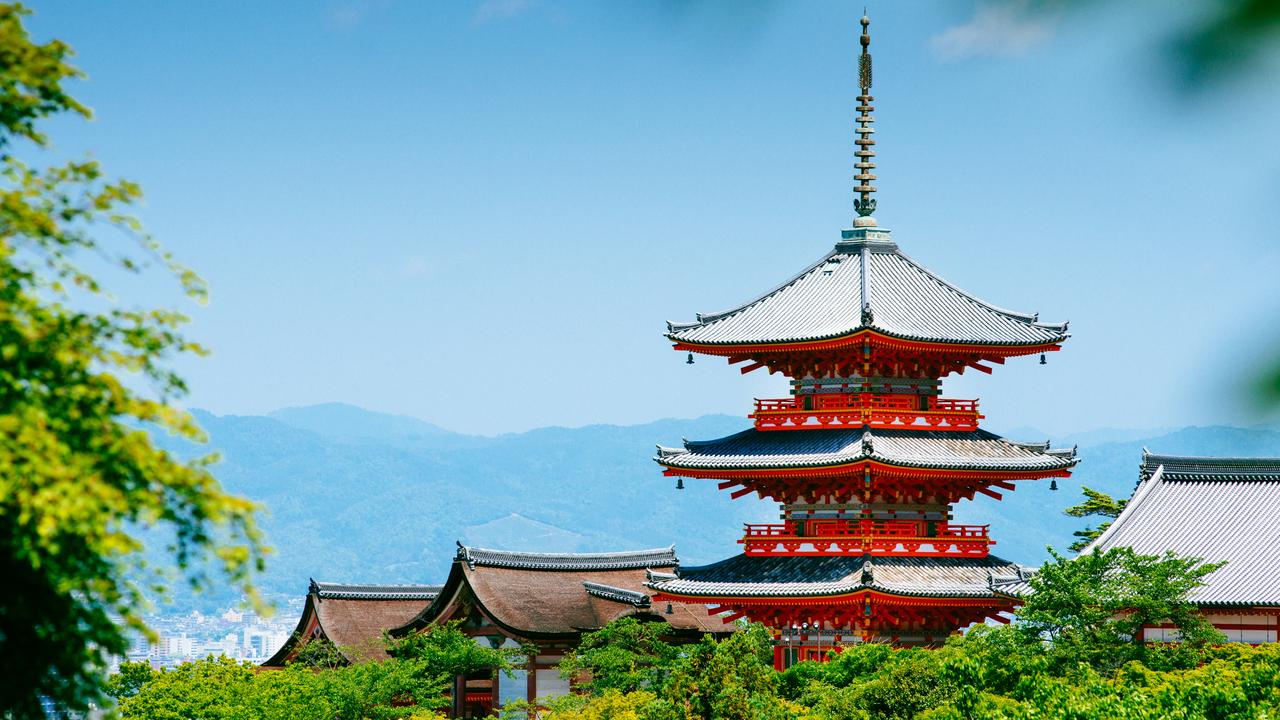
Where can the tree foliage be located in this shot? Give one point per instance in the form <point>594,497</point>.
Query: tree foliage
<point>445,650</point>
<point>83,379</point>
<point>1091,609</point>
<point>222,689</point>
<point>624,656</point>
<point>1096,503</point>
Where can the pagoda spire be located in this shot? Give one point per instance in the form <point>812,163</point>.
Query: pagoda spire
<point>864,203</point>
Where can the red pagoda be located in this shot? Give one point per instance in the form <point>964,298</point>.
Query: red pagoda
<point>864,456</point>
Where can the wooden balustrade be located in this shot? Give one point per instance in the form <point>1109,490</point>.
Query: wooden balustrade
<point>877,537</point>
<point>836,410</point>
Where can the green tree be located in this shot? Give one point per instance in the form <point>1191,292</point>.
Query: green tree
<point>446,651</point>
<point>223,689</point>
<point>624,656</point>
<point>318,652</point>
<point>732,679</point>
<point>1091,609</point>
<point>83,379</point>
<point>129,679</point>
<point>1095,503</point>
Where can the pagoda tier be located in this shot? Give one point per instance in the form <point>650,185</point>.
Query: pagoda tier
<point>866,307</point>
<point>861,465</point>
<point>849,598</point>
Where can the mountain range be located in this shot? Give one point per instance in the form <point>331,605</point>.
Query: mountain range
<point>352,495</point>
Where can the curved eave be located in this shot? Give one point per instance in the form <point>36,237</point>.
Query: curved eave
<point>847,467</point>
<point>293,644</point>
<point>876,337</point>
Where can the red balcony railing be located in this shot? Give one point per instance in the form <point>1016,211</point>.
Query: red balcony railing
<point>856,537</point>
<point>836,410</point>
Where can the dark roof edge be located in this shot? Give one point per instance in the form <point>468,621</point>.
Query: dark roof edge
<point>617,594</point>
<point>627,560</point>
<point>354,591</point>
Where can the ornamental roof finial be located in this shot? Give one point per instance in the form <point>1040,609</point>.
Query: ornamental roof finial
<point>864,203</point>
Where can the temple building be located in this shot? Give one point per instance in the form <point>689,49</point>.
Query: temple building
<point>864,456</point>
<point>503,599</point>
<point>353,618</point>
<point>548,600</point>
<point>1217,509</point>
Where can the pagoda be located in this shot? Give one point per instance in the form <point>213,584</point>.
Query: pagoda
<point>864,456</point>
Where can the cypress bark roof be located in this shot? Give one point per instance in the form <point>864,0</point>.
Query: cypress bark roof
<point>559,595</point>
<point>353,617</point>
<point>776,449</point>
<point>1219,509</point>
<point>901,298</point>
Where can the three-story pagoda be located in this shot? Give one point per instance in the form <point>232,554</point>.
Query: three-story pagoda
<point>865,456</point>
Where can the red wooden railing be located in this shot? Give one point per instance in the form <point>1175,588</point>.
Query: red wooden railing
<point>826,410</point>
<point>879,537</point>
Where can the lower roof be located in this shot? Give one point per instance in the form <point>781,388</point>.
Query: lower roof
<point>744,576</point>
<point>781,449</point>
<point>1220,509</point>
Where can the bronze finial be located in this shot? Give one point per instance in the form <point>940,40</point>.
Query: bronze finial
<point>864,203</point>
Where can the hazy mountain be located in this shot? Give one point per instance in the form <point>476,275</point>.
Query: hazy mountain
<point>348,422</point>
<point>354,495</point>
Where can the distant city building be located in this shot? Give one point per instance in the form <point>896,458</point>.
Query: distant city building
<point>864,456</point>
<point>1217,509</point>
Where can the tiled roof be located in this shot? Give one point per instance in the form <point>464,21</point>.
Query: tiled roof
<point>636,559</point>
<point>617,594</point>
<point>1219,509</point>
<point>755,449</point>
<point>744,576</point>
<point>826,300</point>
<point>345,591</point>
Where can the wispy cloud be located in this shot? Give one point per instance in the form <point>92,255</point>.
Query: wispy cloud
<point>1002,29</point>
<point>416,267</point>
<point>352,13</point>
<point>495,10</point>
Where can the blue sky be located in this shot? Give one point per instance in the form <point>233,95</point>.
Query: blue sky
<point>481,213</point>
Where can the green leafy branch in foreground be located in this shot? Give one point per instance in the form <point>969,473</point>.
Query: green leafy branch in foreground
<point>82,382</point>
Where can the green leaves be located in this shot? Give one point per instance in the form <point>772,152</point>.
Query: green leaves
<point>83,380</point>
<point>1096,503</point>
<point>31,80</point>
<point>1092,608</point>
<point>222,689</point>
<point>624,656</point>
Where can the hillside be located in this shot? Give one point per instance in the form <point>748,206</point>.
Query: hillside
<point>354,495</point>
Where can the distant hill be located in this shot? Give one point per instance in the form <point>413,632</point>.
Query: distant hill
<point>359,496</point>
<point>348,422</point>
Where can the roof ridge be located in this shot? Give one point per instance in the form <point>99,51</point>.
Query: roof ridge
<point>617,560</point>
<point>362,591</point>
<point>1211,468</point>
